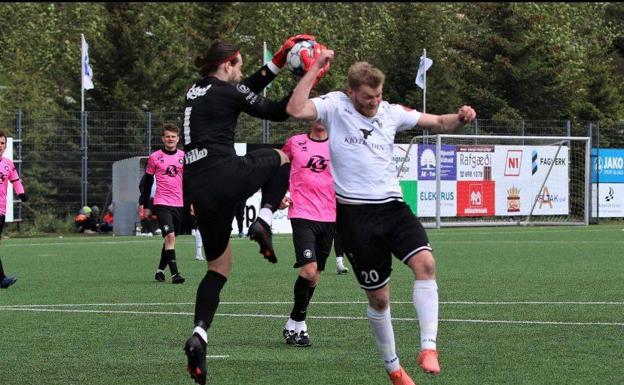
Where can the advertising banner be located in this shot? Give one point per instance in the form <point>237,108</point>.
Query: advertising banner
<point>474,162</point>
<point>512,173</point>
<point>607,165</point>
<point>427,162</point>
<point>610,200</point>
<point>475,198</point>
<point>427,198</point>
<point>553,198</point>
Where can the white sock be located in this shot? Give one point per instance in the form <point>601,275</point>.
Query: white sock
<point>198,243</point>
<point>202,333</point>
<point>339,261</point>
<point>290,324</point>
<point>266,215</point>
<point>426,305</point>
<point>381,326</point>
<point>160,271</point>
<point>299,326</point>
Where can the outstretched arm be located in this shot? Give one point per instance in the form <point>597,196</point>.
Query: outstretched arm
<point>300,106</point>
<point>265,75</point>
<point>441,124</point>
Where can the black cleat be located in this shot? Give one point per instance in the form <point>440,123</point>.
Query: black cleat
<point>289,336</point>
<point>159,276</point>
<point>260,232</point>
<point>177,278</point>
<point>7,281</point>
<point>195,350</point>
<point>301,340</point>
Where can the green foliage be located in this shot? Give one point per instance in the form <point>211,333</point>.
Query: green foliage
<point>529,60</point>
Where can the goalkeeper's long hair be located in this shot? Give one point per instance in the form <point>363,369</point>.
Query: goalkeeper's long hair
<point>217,54</point>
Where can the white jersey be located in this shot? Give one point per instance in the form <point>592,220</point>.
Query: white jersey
<point>362,148</point>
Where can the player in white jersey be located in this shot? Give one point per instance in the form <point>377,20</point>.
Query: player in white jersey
<point>372,219</point>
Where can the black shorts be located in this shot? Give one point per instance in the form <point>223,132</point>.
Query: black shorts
<point>170,219</point>
<point>371,233</point>
<point>313,241</point>
<point>215,192</point>
<point>2,219</point>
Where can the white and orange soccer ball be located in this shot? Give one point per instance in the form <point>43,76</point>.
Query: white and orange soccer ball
<point>294,61</point>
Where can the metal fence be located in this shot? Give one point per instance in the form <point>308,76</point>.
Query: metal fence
<point>65,164</point>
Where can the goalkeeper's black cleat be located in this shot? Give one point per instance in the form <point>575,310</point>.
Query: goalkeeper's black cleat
<point>260,232</point>
<point>7,281</point>
<point>195,350</point>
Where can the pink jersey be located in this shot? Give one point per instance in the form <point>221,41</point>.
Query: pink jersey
<point>8,173</point>
<point>311,184</point>
<point>167,171</point>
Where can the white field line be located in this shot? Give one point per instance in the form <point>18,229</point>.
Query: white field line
<point>315,302</point>
<point>435,241</point>
<point>76,241</point>
<point>346,318</point>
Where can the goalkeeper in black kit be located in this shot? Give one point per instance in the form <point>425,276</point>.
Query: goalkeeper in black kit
<point>216,179</point>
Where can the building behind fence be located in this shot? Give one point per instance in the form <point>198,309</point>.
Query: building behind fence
<point>65,160</point>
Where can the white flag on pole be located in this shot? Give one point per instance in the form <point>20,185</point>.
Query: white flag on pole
<point>87,73</point>
<point>425,64</point>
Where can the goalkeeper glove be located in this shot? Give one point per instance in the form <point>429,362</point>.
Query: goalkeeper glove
<point>308,61</point>
<point>23,197</point>
<point>279,59</point>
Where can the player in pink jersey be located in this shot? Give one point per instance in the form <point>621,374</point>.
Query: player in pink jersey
<point>312,213</point>
<point>166,165</point>
<point>8,173</point>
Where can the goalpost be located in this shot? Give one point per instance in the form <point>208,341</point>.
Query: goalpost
<point>484,180</point>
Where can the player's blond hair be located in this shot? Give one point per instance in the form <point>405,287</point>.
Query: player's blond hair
<point>363,73</point>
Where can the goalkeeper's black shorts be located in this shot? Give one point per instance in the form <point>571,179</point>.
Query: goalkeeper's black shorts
<point>215,191</point>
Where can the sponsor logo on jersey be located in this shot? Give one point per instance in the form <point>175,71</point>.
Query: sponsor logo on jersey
<point>172,171</point>
<point>243,89</point>
<point>195,92</point>
<point>194,155</point>
<point>366,133</point>
<point>317,163</point>
<point>303,145</point>
<point>354,140</point>
<point>251,98</point>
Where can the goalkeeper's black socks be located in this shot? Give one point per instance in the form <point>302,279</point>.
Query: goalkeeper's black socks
<point>310,294</point>
<point>302,299</point>
<point>208,297</point>
<point>1,271</point>
<point>275,188</point>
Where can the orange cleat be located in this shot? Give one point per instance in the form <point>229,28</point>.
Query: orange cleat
<point>428,361</point>
<point>400,377</point>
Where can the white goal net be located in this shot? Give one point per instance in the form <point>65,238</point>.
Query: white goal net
<point>468,180</point>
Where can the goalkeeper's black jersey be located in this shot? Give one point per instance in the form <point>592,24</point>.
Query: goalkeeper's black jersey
<point>211,113</point>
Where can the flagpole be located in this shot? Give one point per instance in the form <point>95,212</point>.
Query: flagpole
<point>425,82</point>
<point>81,73</point>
